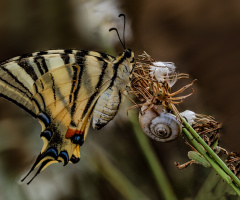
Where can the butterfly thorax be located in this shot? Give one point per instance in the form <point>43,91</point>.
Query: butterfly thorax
<point>123,65</point>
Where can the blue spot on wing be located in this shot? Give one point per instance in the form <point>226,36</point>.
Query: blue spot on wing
<point>64,155</point>
<point>44,118</point>
<point>47,134</point>
<point>78,139</point>
<point>51,152</point>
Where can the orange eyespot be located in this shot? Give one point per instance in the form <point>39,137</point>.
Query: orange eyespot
<point>70,132</point>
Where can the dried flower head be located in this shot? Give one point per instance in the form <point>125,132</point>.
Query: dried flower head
<point>152,82</point>
<point>233,162</point>
<point>209,130</point>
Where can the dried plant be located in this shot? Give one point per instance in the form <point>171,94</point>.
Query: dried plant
<point>152,82</point>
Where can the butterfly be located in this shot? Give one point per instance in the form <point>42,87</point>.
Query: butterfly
<point>64,90</point>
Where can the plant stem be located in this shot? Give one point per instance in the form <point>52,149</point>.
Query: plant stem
<point>159,174</point>
<point>208,186</point>
<point>214,160</point>
<point>114,176</point>
<point>120,181</point>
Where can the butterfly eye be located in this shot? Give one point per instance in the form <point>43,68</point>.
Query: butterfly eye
<point>128,53</point>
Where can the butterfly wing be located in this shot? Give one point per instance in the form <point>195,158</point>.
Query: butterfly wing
<point>16,84</point>
<point>61,95</point>
<point>18,74</point>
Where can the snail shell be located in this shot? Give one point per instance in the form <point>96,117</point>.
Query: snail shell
<point>159,125</point>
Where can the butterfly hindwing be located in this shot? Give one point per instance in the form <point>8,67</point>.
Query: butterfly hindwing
<point>64,99</point>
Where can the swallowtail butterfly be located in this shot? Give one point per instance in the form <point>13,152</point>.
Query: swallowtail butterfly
<point>64,90</point>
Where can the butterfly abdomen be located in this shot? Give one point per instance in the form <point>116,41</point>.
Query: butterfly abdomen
<point>106,107</point>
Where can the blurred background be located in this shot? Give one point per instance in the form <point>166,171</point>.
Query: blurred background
<point>200,37</point>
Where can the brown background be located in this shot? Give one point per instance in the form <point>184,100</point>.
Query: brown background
<point>200,37</point>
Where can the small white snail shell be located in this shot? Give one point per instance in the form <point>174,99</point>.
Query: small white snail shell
<point>159,125</point>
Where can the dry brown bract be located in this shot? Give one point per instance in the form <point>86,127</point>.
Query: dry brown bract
<point>208,128</point>
<point>233,163</point>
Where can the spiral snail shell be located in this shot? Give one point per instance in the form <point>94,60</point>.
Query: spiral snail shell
<point>159,125</point>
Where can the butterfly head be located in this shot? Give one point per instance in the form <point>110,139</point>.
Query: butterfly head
<point>129,56</point>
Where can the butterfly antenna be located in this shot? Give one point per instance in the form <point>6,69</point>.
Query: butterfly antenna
<point>123,28</point>
<point>118,36</point>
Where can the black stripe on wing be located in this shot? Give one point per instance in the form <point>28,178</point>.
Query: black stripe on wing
<point>75,81</point>
<point>115,68</point>
<point>16,88</point>
<point>41,64</point>
<point>99,84</point>
<point>66,58</point>
<point>76,87</point>
<point>53,87</point>
<point>16,80</point>
<point>24,64</point>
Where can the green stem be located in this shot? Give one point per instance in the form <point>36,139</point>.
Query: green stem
<point>209,184</point>
<point>214,160</point>
<point>159,174</point>
<point>120,182</point>
<point>114,176</point>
